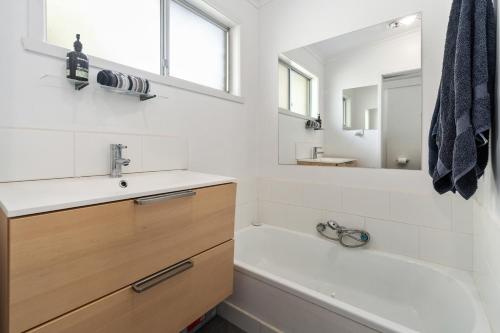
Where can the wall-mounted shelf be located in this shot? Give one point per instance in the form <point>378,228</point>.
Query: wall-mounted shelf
<point>142,96</point>
<point>314,124</point>
<point>79,85</point>
<point>62,81</point>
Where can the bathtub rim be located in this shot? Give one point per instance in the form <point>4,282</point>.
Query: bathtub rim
<point>462,278</point>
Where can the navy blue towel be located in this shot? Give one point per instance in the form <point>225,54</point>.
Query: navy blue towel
<point>461,123</point>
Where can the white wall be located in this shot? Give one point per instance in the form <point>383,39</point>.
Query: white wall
<point>363,67</point>
<point>48,130</point>
<point>392,203</point>
<point>487,231</point>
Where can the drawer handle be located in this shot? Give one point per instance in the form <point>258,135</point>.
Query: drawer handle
<point>161,276</point>
<point>164,197</point>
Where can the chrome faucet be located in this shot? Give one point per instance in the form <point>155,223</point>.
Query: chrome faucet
<point>317,151</point>
<point>117,161</point>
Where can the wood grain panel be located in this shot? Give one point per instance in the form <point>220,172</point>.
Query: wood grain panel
<point>165,308</point>
<point>63,260</point>
<point>4,275</point>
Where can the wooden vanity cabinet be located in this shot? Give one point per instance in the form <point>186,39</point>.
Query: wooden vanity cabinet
<point>81,270</point>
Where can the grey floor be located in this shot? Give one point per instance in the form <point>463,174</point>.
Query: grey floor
<point>219,325</point>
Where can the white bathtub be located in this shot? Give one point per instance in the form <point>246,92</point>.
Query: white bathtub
<point>304,284</point>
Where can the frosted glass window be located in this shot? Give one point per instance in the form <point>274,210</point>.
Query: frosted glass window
<point>198,48</point>
<point>283,87</point>
<point>123,31</point>
<point>299,93</point>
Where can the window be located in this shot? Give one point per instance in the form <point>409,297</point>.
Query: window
<point>294,90</point>
<point>166,37</point>
<point>198,47</point>
<point>106,30</point>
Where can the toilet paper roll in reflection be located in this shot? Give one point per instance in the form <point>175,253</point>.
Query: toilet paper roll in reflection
<point>403,160</point>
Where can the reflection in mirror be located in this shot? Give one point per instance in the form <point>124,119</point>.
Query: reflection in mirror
<point>360,107</point>
<point>354,100</point>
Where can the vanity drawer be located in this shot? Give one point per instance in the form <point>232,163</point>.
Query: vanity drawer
<point>167,307</point>
<point>63,260</point>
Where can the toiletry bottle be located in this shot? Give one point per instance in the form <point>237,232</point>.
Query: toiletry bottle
<point>77,63</point>
<point>320,122</point>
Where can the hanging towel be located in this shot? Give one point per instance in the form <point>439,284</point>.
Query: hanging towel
<point>458,138</point>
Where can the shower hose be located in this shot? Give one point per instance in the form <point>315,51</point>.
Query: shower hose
<point>351,238</point>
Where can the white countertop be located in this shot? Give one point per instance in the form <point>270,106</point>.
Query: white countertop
<point>33,197</point>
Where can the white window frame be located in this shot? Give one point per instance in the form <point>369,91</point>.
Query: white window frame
<point>36,42</point>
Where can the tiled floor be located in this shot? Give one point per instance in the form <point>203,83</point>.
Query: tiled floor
<point>219,325</point>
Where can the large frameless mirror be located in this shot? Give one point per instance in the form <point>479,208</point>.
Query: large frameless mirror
<point>354,100</point>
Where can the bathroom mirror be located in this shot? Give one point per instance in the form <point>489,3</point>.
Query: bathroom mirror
<point>354,100</point>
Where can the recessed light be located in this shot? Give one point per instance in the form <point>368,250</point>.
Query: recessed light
<point>404,21</point>
<point>408,20</point>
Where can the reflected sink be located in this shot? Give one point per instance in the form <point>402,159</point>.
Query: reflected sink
<point>331,160</point>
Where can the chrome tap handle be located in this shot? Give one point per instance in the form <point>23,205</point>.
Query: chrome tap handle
<point>117,161</point>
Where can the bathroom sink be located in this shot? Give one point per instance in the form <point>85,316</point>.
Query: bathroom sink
<point>33,197</point>
<point>330,160</point>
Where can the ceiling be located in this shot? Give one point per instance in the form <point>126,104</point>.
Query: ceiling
<point>330,48</point>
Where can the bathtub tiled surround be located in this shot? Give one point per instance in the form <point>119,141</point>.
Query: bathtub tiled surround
<point>426,226</point>
<point>246,203</point>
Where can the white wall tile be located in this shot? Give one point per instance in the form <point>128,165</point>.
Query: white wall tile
<point>286,192</point>
<point>486,261</point>
<point>394,219</point>
<point>346,220</point>
<point>296,218</point>
<point>264,189</point>
<point>365,202</point>
<point>245,215</point>
<point>394,237</point>
<point>322,196</point>
<point>446,248</point>
<point>489,287</point>
<point>481,240</point>
<point>164,153</point>
<point>92,152</point>
<point>462,215</point>
<point>246,191</point>
<point>33,154</point>
<point>430,210</point>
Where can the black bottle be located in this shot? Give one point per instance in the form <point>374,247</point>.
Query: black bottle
<point>320,122</point>
<point>77,63</point>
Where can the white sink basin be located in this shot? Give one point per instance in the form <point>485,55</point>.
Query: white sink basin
<point>25,198</point>
<point>330,160</point>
